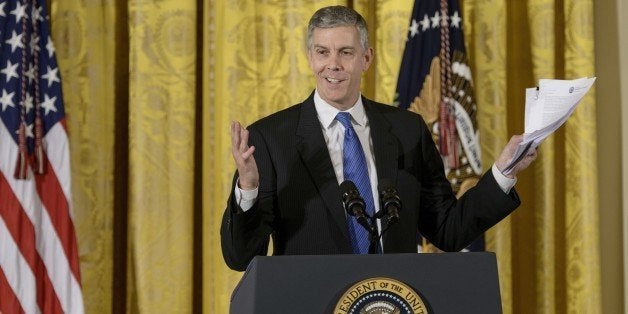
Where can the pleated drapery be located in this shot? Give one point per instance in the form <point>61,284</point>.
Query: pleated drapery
<point>151,87</point>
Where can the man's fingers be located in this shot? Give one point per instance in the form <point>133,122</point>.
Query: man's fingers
<point>239,138</point>
<point>235,134</point>
<point>244,139</point>
<point>239,144</point>
<point>516,139</point>
<point>248,153</point>
<point>532,155</point>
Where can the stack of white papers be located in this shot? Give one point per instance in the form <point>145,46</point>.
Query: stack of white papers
<point>548,106</point>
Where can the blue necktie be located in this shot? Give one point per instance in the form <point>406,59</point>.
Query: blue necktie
<point>355,169</point>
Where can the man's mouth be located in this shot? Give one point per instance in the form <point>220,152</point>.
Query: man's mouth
<point>333,80</point>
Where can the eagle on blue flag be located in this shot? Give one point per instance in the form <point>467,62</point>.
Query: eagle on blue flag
<point>435,81</point>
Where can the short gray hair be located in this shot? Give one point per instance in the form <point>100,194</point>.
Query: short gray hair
<point>336,16</point>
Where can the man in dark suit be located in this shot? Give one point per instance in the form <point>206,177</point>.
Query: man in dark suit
<point>290,165</point>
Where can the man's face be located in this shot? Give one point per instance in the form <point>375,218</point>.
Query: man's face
<point>338,61</point>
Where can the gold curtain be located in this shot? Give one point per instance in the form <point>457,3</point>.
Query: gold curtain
<point>255,65</point>
<point>84,37</point>
<point>162,132</point>
<point>151,86</point>
<point>548,250</point>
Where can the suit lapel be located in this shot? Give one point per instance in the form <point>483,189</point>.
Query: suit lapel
<point>385,144</point>
<point>314,154</point>
<point>385,150</point>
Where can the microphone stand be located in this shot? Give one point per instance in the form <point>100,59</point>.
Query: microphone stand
<point>374,237</point>
<point>390,204</point>
<point>354,205</point>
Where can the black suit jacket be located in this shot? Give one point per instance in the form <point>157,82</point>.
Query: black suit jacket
<point>299,201</point>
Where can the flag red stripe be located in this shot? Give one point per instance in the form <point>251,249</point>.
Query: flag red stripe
<point>53,199</point>
<point>10,303</point>
<point>64,123</point>
<point>22,230</point>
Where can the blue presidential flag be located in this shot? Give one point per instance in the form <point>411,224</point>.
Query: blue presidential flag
<point>435,81</point>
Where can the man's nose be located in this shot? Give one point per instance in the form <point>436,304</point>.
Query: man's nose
<point>334,63</point>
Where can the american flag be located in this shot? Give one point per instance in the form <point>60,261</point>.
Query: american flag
<point>435,81</point>
<point>39,265</point>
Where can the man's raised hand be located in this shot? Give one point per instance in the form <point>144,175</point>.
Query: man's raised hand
<point>243,157</point>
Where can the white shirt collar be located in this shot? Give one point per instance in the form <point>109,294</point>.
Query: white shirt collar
<point>327,113</point>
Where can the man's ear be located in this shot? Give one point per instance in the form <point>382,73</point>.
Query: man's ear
<point>368,58</point>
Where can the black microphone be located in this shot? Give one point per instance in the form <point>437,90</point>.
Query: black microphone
<point>354,204</point>
<point>390,201</point>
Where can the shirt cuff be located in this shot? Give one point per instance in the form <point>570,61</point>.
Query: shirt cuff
<point>504,182</point>
<point>245,198</point>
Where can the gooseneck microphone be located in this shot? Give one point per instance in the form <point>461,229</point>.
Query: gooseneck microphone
<point>390,205</point>
<point>354,204</point>
<point>390,202</point>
